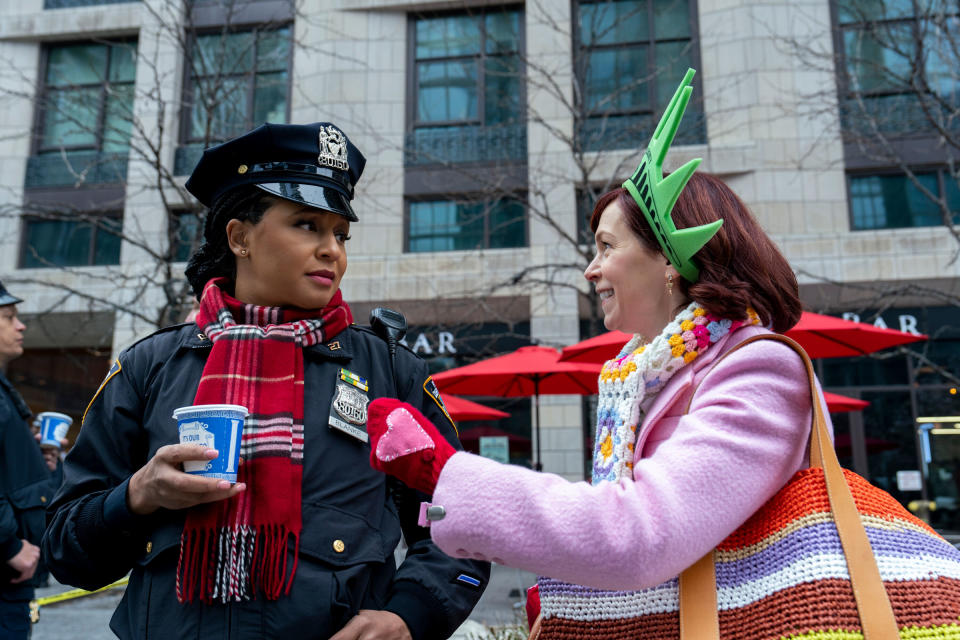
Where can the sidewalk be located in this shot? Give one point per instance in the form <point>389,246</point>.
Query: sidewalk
<point>89,617</point>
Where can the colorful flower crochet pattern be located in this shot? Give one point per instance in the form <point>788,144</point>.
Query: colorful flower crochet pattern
<point>630,382</point>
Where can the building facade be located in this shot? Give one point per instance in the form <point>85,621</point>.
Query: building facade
<point>489,128</point>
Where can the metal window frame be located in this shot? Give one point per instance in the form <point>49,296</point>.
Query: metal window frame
<point>579,66</point>
<point>938,170</point>
<point>916,147</point>
<point>27,219</point>
<point>44,89</point>
<point>413,80</point>
<point>189,82</point>
<point>517,196</point>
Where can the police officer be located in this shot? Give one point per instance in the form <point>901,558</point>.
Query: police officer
<point>302,545</point>
<point>24,486</point>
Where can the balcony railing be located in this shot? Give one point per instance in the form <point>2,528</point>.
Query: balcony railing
<point>898,114</point>
<point>454,145</point>
<point>605,133</point>
<point>70,4</point>
<point>76,167</point>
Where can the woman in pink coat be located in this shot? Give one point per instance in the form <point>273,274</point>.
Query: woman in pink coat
<point>689,443</point>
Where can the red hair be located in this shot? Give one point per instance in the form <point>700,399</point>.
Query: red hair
<point>740,266</point>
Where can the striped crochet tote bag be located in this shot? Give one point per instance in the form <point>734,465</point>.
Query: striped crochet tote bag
<point>829,557</point>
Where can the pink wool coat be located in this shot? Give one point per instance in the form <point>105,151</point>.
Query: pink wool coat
<point>698,477</point>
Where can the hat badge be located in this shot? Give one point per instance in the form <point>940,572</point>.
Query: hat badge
<point>333,149</point>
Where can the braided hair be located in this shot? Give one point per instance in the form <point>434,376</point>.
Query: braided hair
<point>214,259</point>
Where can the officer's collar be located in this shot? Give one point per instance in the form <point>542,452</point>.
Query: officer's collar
<point>337,348</point>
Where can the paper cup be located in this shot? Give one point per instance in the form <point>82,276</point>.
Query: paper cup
<point>53,428</point>
<point>218,426</point>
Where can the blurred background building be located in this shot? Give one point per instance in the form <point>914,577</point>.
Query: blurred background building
<point>489,130</point>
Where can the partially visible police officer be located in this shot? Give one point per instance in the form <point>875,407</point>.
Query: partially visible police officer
<point>275,252</point>
<point>24,486</point>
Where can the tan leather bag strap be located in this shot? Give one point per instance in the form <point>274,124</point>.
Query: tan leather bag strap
<point>699,619</point>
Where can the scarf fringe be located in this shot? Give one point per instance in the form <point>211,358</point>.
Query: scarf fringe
<point>233,564</point>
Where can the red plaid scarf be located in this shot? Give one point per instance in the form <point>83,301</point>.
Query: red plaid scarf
<point>232,548</point>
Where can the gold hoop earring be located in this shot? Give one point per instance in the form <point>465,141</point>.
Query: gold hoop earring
<point>669,284</point>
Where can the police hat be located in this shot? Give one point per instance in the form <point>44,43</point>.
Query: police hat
<point>314,164</point>
<point>6,298</point>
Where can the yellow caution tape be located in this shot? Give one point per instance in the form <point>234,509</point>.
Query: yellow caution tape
<point>69,595</point>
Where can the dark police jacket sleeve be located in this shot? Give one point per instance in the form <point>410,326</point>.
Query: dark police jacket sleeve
<point>24,485</point>
<point>428,577</point>
<point>350,524</point>
<point>92,538</point>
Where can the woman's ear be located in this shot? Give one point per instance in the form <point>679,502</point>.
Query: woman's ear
<point>237,237</point>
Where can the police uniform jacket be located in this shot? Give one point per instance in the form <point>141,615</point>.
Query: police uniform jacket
<point>25,488</point>
<point>351,525</point>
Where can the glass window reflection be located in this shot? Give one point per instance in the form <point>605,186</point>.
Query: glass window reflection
<point>238,80</point>
<point>631,55</point>
<point>450,225</point>
<point>896,201</point>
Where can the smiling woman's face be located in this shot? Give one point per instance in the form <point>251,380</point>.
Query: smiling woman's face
<point>629,278</point>
<point>294,257</point>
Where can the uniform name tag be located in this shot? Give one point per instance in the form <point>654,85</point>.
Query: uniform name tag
<point>348,411</point>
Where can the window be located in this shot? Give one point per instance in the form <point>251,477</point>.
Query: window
<point>71,241</point>
<point>631,54</point>
<point>899,63</point>
<point>84,119</point>
<point>468,88</point>
<point>186,235</point>
<point>450,225</point>
<point>238,80</point>
<point>891,201</point>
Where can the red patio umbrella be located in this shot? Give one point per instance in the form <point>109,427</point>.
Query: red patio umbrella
<point>837,403</point>
<point>829,337</point>
<point>596,349</point>
<point>461,410</point>
<point>821,336</point>
<point>528,371</point>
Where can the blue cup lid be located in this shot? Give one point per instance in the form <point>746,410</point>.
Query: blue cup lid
<point>55,414</point>
<point>210,409</point>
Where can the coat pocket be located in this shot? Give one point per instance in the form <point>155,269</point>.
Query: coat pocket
<point>29,506</point>
<point>345,564</point>
<point>342,539</point>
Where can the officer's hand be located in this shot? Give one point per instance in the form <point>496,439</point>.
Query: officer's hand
<point>405,444</point>
<point>162,483</point>
<point>25,562</point>
<point>374,625</point>
<point>51,455</point>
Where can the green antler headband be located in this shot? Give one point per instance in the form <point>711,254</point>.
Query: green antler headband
<point>656,196</point>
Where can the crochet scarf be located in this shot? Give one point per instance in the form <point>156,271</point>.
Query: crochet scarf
<point>630,382</point>
<point>628,386</point>
<point>233,548</point>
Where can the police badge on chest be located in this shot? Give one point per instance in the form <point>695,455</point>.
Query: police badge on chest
<point>348,411</point>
